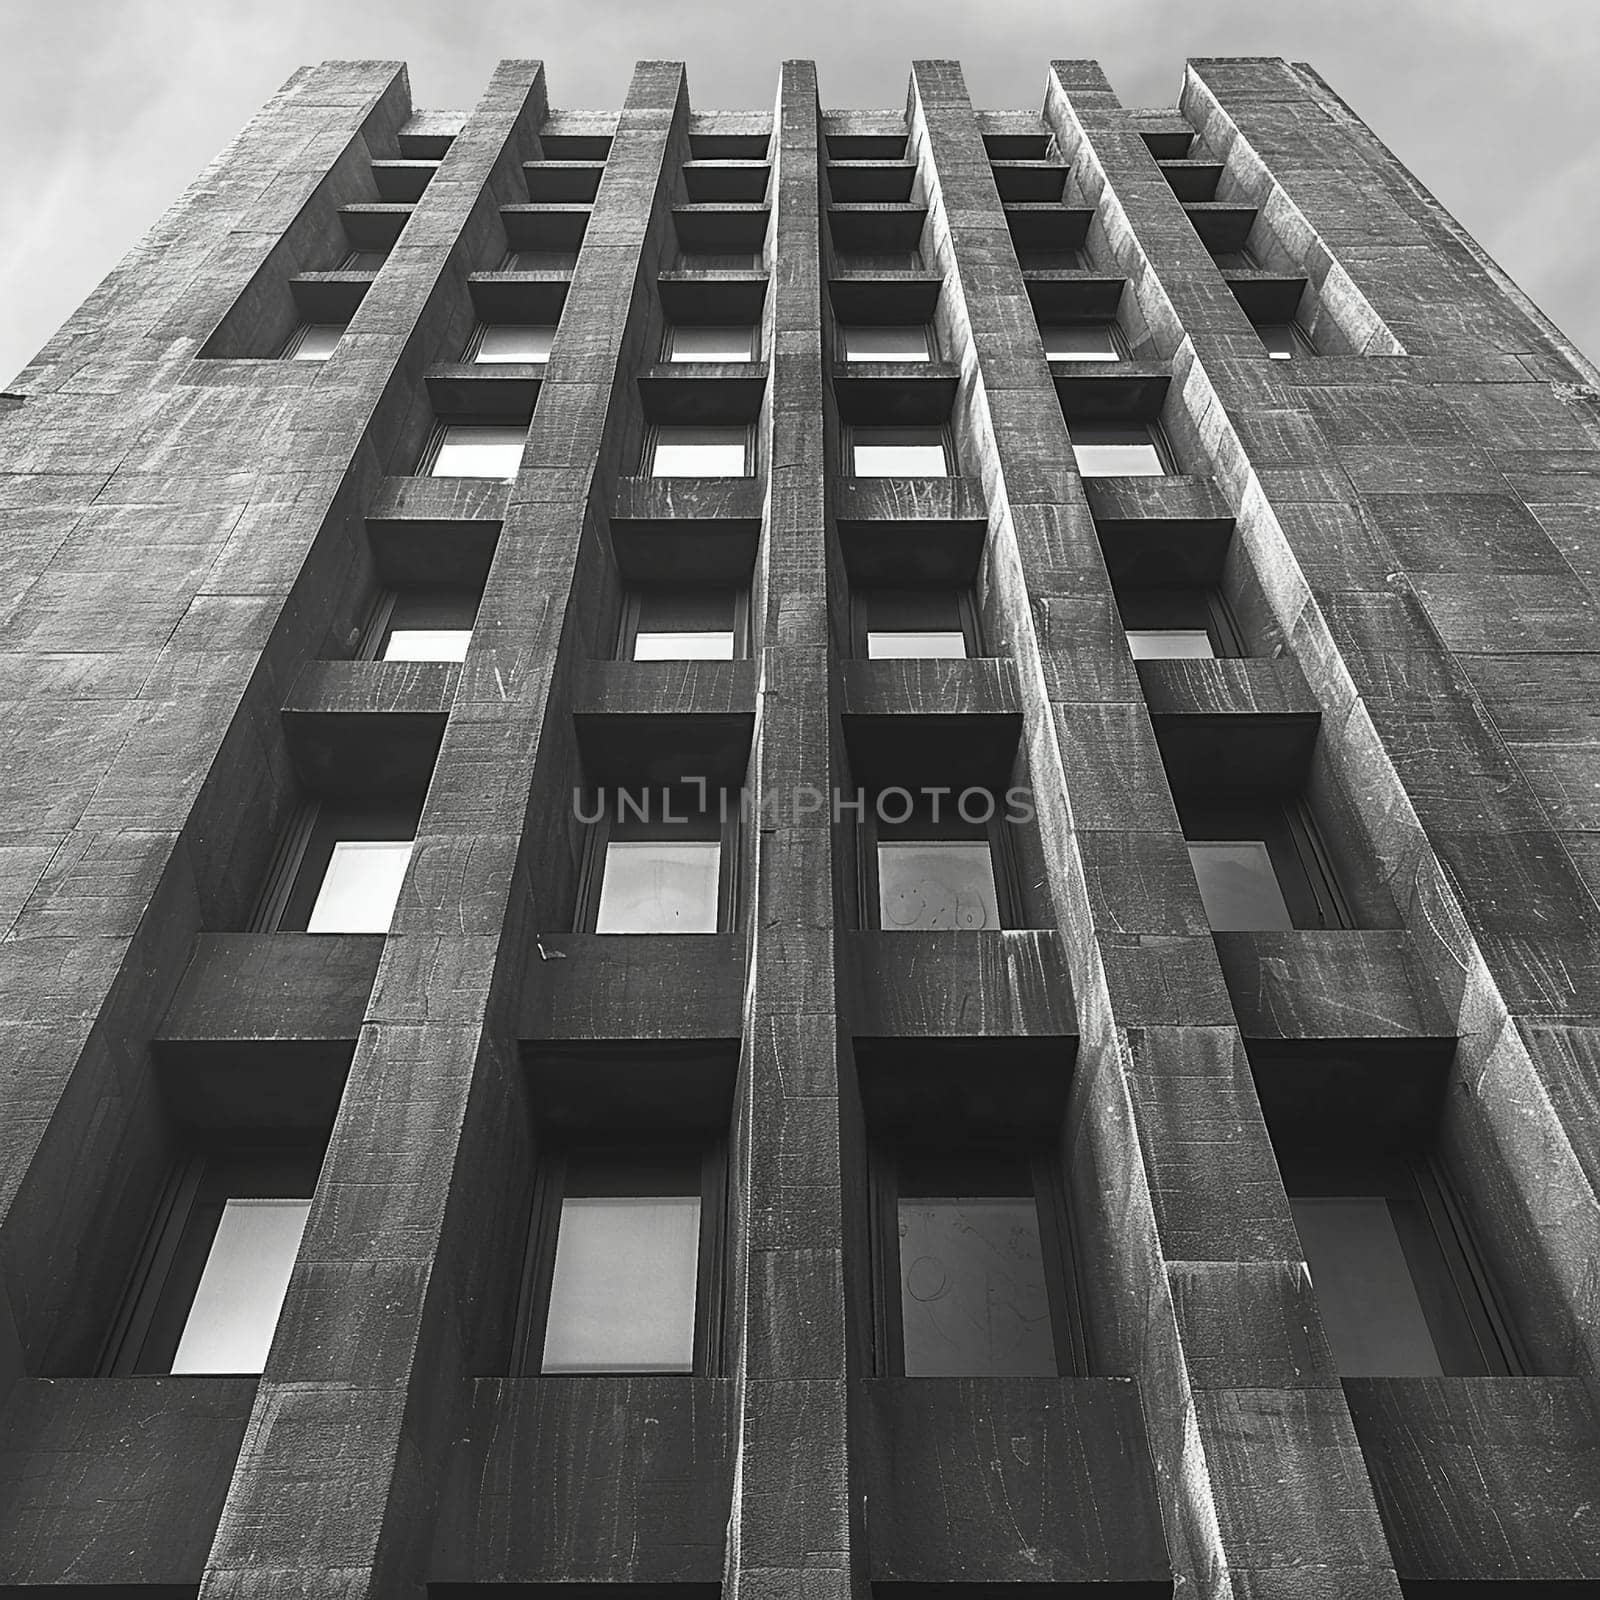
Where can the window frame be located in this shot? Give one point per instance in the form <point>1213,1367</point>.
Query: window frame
<point>1471,1334</point>
<point>929,337</point>
<point>1300,859</point>
<point>670,331</point>
<point>305,852</point>
<point>297,340</point>
<point>381,619</point>
<point>1002,857</point>
<point>652,443</point>
<point>1120,350</point>
<point>1299,341</point>
<point>568,259</point>
<point>440,432</point>
<point>633,599</point>
<point>469,356</point>
<point>1207,608</point>
<point>1155,433</point>
<point>861,619</point>
<point>165,1277</point>
<point>853,430</point>
<point>532,1321</point>
<point>719,822</point>
<point>885,1157</point>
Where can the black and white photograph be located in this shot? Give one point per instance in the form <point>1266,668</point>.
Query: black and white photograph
<point>799,804</point>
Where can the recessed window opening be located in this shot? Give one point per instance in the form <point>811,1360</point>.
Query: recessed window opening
<point>720,342</point>
<point>476,450</point>
<point>520,342</point>
<point>915,452</point>
<point>1118,449</point>
<point>313,341</point>
<point>678,451</point>
<point>216,1267</point>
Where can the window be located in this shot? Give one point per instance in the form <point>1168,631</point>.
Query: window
<point>923,870</point>
<point>1166,624</point>
<point>475,450</point>
<point>1401,1289</point>
<point>339,871</point>
<point>1039,259</point>
<point>923,452</point>
<point>658,865</point>
<point>313,341</point>
<point>1081,341</point>
<point>906,342</point>
<point>1284,340</point>
<point>1118,449</point>
<point>723,342</point>
<point>972,1265</point>
<point>364,260</point>
<point>683,625</point>
<point>1261,867</point>
<point>539,261</point>
<point>511,341</point>
<point>675,451</point>
<point>623,1270</point>
<point>899,624</point>
<point>216,1266</point>
<point>422,625</point>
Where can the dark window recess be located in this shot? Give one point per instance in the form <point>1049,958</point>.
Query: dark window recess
<point>1261,867</point>
<point>624,1263</point>
<point>539,261</point>
<point>1400,1286</point>
<point>338,871</point>
<point>684,624</point>
<point>1166,623</point>
<point>972,1265</point>
<point>891,624</point>
<point>420,625</point>
<point>364,260</point>
<point>862,262</point>
<point>659,865</point>
<point>211,1278</point>
<point>925,872</point>
<point>1284,341</point>
<point>1032,258</point>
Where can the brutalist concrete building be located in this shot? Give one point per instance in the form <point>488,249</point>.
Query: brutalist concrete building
<point>802,854</point>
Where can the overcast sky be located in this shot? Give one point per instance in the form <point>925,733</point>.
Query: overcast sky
<point>109,107</point>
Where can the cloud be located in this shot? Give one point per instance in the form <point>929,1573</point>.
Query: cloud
<point>114,105</point>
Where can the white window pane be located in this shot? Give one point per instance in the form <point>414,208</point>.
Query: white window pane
<point>316,341</point>
<point>659,886</point>
<point>900,461</point>
<point>908,646</point>
<point>428,644</point>
<point>622,1294</point>
<point>886,343</point>
<point>1169,644</point>
<point>479,452</point>
<point>515,341</point>
<point>1238,887</point>
<point>936,883</point>
<point>1364,1288</point>
<point>241,1291</point>
<point>715,646</point>
<point>973,1300</point>
<point>699,452</point>
<point>1089,341</point>
<point>726,343</point>
<point>362,884</point>
<point>1118,460</point>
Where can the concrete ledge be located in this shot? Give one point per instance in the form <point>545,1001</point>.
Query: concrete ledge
<point>1319,984</point>
<point>1067,1459</point>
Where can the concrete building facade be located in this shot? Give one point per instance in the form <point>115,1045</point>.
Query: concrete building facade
<point>801,854</point>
